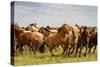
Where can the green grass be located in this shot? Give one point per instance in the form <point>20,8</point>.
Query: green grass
<point>46,58</point>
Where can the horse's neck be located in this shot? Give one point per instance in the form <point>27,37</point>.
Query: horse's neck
<point>61,34</point>
<point>84,34</point>
<point>17,35</point>
<point>73,34</point>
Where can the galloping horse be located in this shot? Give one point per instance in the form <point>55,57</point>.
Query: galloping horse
<point>93,40</point>
<point>58,38</point>
<point>83,40</point>
<point>31,39</point>
<point>71,41</point>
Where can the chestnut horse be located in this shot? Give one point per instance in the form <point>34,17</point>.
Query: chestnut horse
<point>31,39</point>
<point>56,39</point>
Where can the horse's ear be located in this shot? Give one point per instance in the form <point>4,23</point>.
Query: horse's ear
<point>63,25</point>
<point>77,25</point>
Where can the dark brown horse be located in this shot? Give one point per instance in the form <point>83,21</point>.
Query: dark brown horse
<point>83,41</point>
<point>93,40</point>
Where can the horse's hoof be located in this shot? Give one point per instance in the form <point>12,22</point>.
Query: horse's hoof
<point>93,52</point>
<point>79,56</point>
<point>74,55</point>
<point>84,54</point>
<point>68,55</point>
<point>52,55</point>
<point>88,52</point>
<point>71,52</point>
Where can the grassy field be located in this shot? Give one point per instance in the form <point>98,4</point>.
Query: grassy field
<point>46,58</point>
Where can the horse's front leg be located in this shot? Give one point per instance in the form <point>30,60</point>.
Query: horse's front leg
<point>76,52</point>
<point>33,49</point>
<point>89,50</point>
<point>65,49</point>
<point>90,47</point>
<point>86,50</point>
<point>73,48</point>
<point>77,48</point>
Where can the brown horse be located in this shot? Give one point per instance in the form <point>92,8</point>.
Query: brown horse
<point>93,40</point>
<point>44,31</point>
<point>31,39</point>
<point>58,38</point>
<point>83,40</point>
<point>15,30</point>
<point>71,42</point>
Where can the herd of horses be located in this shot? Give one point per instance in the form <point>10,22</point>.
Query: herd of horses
<point>70,38</point>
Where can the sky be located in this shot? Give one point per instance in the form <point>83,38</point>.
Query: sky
<point>54,14</point>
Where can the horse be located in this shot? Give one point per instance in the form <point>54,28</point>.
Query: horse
<point>83,40</point>
<point>15,30</point>
<point>44,31</point>
<point>32,27</point>
<point>31,39</point>
<point>56,39</point>
<point>93,40</point>
<point>71,40</point>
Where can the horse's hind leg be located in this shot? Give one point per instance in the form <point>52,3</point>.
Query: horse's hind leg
<point>21,50</point>
<point>65,49</point>
<point>81,47</point>
<point>86,50</point>
<point>94,49</point>
<point>51,51</point>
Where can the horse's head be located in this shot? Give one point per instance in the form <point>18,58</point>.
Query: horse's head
<point>33,24</point>
<point>65,28</point>
<point>16,28</point>
<point>32,27</point>
<point>44,31</point>
<point>94,29</point>
<point>85,31</point>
